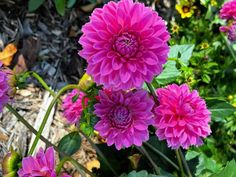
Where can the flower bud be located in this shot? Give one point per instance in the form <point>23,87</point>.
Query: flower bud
<point>10,164</point>
<point>86,82</point>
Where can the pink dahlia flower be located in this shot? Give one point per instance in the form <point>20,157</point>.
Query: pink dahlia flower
<point>228,11</point>
<point>4,87</point>
<point>182,117</point>
<point>230,31</point>
<point>125,44</point>
<point>72,106</point>
<point>41,165</point>
<point>125,117</point>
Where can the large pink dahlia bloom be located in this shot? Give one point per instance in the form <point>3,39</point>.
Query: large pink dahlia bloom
<point>41,165</point>
<point>125,117</point>
<point>4,88</point>
<point>228,11</point>
<point>72,106</point>
<point>182,117</point>
<point>125,44</point>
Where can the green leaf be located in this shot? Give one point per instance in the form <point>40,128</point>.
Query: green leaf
<point>207,165</point>
<point>228,171</point>
<point>220,110</point>
<point>70,143</point>
<point>182,52</point>
<point>60,6</point>
<point>34,4</point>
<point>142,173</point>
<point>70,3</point>
<point>206,78</point>
<point>191,155</point>
<point>169,74</point>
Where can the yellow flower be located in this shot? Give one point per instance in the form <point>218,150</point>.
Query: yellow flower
<point>214,3</point>
<point>185,9</point>
<point>204,45</point>
<point>175,28</point>
<point>230,97</point>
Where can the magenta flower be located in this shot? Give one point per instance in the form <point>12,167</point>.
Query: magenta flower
<point>228,11</point>
<point>125,117</point>
<point>125,44</point>
<point>182,117</point>
<point>4,87</point>
<point>230,31</point>
<point>72,106</point>
<point>41,165</point>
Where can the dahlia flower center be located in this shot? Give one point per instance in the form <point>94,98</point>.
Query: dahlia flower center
<point>126,44</point>
<point>120,117</point>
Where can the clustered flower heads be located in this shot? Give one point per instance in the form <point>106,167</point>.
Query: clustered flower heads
<point>4,87</point>
<point>73,107</point>
<point>125,117</point>
<point>182,117</point>
<point>41,165</point>
<point>125,44</point>
<point>228,12</point>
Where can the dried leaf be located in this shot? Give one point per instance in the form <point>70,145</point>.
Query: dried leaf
<point>20,66</point>
<point>7,54</point>
<point>3,137</point>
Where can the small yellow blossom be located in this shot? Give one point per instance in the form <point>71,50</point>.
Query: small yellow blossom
<point>204,45</point>
<point>214,3</point>
<point>175,28</point>
<point>230,97</point>
<point>185,9</point>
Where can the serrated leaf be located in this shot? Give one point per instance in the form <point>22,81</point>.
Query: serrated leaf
<point>70,143</point>
<point>60,6</point>
<point>207,165</point>
<point>220,110</point>
<point>191,155</point>
<point>185,52</point>
<point>169,74</point>
<point>228,171</point>
<point>34,4</point>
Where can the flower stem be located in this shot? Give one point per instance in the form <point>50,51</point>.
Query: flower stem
<point>180,162</point>
<point>162,155</point>
<point>231,50</point>
<point>143,151</point>
<point>68,87</point>
<point>48,143</point>
<point>42,82</point>
<point>100,153</point>
<point>74,162</point>
<point>185,163</point>
<point>153,93</point>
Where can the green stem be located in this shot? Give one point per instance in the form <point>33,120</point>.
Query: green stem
<point>229,47</point>
<point>162,155</point>
<point>153,93</point>
<point>48,143</point>
<point>185,164</point>
<point>74,162</point>
<point>144,152</point>
<point>42,82</point>
<point>180,162</point>
<point>100,154</point>
<point>68,87</point>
